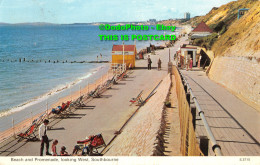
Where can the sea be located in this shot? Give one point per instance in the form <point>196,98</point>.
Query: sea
<point>27,86</point>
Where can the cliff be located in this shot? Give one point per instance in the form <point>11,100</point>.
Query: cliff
<point>237,58</point>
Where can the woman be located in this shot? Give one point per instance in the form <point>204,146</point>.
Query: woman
<point>191,64</point>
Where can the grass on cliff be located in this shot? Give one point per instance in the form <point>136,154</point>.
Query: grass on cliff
<point>206,42</point>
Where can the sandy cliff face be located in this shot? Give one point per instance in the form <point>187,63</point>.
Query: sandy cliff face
<point>237,58</point>
<point>226,13</point>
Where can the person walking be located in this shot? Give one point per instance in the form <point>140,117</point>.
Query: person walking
<point>149,63</point>
<point>43,137</point>
<point>159,64</point>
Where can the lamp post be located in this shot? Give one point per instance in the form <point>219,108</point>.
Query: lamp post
<point>123,55</point>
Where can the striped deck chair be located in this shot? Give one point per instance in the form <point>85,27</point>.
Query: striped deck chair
<point>29,134</point>
<point>138,99</point>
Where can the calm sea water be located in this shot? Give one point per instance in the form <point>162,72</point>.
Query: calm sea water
<point>22,82</point>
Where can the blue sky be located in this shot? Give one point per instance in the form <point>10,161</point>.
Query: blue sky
<point>85,11</point>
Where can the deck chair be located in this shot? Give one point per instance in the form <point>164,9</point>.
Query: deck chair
<point>95,93</point>
<point>29,134</point>
<point>138,99</point>
<point>95,142</point>
<point>146,100</point>
<point>78,103</point>
<point>109,83</point>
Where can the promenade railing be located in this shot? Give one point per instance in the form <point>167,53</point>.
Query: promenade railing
<point>189,143</point>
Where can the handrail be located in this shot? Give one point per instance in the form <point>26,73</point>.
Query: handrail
<point>215,147</point>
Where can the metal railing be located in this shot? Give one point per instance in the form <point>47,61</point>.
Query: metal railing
<point>215,147</point>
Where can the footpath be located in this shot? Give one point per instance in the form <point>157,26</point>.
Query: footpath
<point>235,125</point>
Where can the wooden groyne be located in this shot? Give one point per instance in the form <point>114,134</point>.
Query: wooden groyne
<point>23,60</point>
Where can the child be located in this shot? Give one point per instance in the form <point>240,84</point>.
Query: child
<point>63,151</point>
<point>53,148</point>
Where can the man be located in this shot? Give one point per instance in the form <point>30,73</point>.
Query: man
<point>149,63</point>
<point>159,64</point>
<point>43,137</point>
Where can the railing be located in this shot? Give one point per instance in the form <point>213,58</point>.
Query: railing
<point>189,143</point>
<point>215,147</point>
<point>118,68</point>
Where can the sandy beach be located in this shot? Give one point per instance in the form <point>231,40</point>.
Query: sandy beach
<point>103,115</point>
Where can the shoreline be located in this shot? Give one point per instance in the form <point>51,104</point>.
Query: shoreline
<point>99,77</point>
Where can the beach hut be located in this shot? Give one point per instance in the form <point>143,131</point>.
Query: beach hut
<point>202,30</point>
<point>188,52</point>
<point>124,53</point>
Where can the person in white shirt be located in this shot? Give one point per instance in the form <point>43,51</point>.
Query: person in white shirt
<point>43,137</point>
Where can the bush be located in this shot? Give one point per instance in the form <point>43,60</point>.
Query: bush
<point>206,42</point>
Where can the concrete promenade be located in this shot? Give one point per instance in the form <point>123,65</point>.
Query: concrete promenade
<point>102,115</point>
<point>235,125</point>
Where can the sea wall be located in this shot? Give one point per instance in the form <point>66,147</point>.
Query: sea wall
<point>241,75</point>
<point>141,135</point>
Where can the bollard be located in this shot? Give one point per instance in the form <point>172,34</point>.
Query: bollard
<point>204,145</point>
<point>23,59</point>
<point>193,113</point>
<point>20,60</point>
<point>49,61</point>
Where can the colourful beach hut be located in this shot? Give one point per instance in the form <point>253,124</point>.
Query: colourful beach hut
<point>126,53</point>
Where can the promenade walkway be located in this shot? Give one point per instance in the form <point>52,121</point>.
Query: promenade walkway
<point>103,115</point>
<point>235,125</point>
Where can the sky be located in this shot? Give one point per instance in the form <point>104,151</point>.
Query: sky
<point>88,11</point>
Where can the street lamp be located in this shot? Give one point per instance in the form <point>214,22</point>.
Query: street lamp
<point>123,56</point>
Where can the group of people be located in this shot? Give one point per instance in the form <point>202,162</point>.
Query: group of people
<point>45,140</point>
<point>150,63</point>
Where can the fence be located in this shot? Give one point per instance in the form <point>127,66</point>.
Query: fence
<point>189,144</point>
